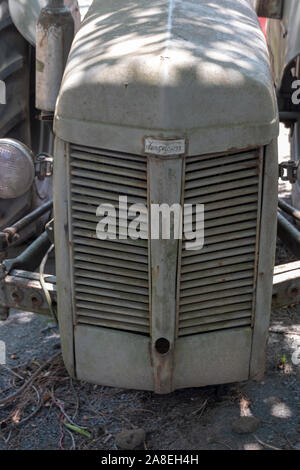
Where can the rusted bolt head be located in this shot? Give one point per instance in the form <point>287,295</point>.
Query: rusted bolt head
<point>36,300</point>
<point>16,296</point>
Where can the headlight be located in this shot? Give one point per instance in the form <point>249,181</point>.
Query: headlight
<point>16,168</point>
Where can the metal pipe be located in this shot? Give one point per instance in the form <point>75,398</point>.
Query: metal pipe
<point>289,235</point>
<point>32,257</point>
<point>31,217</point>
<point>54,36</point>
<point>289,209</point>
<point>289,116</point>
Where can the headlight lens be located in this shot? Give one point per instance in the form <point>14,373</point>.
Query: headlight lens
<point>16,168</point>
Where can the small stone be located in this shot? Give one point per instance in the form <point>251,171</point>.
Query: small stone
<point>245,425</point>
<point>130,439</point>
<point>100,431</point>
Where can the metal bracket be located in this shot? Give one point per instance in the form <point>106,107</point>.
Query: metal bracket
<point>43,166</point>
<point>22,290</point>
<point>288,171</point>
<point>286,285</point>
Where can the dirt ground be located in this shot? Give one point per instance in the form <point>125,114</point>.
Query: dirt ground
<point>192,419</point>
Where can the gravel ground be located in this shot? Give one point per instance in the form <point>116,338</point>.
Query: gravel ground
<point>188,419</point>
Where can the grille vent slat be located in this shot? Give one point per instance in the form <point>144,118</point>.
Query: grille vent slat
<point>202,177</point>
<point>194,196</point>
<point>212,270</point>
<point>140,246</point>
<point>215,311</point>
<point>110,277</point>
<point>83,319</point>
<point>117,282</point>
<point>201,162</point>
<point>223,185</point>
<point>217,282</point>
<point>91,196</point>
<point>215,326</point>
<point>91,282</point>
<point>86,180</point>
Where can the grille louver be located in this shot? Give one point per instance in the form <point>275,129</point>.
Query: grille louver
<point>217,282</point>
<point>110,277</point>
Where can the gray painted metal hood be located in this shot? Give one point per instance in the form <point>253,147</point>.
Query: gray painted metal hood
<point>172,68</point>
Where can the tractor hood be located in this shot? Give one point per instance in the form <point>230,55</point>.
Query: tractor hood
<point>197,69</point>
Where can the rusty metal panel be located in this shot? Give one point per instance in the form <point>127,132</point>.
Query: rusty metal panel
<point>286,285</point>
<point>22,290</point>
<point>111,279</point>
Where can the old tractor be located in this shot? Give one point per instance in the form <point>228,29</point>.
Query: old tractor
<point>166,104</point>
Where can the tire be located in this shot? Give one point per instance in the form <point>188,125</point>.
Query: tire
<point>15,73</point>
<point>14,115</point>
<point>17,60</point>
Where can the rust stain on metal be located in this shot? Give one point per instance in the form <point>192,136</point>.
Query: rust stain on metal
<point>162,371</point>
<point>16,296</point>
<point>36,300</point>
<point>252,165</point>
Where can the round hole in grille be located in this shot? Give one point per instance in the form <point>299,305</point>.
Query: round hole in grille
<point>162,346</point>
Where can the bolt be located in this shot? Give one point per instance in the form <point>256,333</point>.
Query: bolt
<point>36,300</point>
<point>16,296</point>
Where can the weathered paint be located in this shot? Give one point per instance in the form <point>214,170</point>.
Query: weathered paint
<point>25,15</point>
<point>109,103</point>
<point>22,290</point>
<point>165,187</point>
<point>185,364</point>
<point>54,36</point>
<point>267,247</point>
<point>146,73</point>
<point>62,253</point>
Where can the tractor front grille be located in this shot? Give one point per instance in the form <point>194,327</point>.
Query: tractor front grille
<point>217,283</point>
<point>110,277</point>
